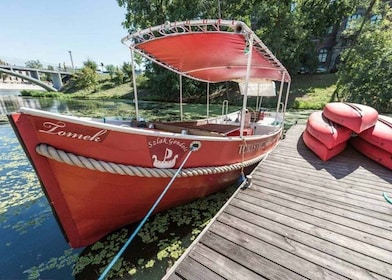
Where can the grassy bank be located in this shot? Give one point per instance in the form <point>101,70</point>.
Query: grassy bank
<point>307,91</point>
<point>312,91</point>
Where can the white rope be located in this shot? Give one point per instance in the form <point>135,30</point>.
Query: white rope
<point>121,169</point>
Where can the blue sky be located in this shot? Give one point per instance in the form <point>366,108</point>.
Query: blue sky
<point>48,29</point>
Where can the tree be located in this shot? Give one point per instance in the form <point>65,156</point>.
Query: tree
<point>119,77</point>
<point>86,78</point>
<point>111,70</point>
<point>365,71</point>
<point>127,70</point>
<point>290,29</point>
<point>90,64</point>
<point>36,64</point>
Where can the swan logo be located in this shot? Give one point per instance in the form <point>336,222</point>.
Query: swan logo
<point>165,152</point>
<point>168,160</point>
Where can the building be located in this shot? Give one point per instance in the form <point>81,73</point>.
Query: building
<point>335,41</point>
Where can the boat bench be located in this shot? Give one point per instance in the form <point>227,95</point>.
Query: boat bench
<point>206,129</point>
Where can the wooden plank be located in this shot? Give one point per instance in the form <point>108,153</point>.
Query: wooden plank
<point>372,254</point>
<point>368,183</point>
<point>327,182</point>
<point>340,165</point>
<point>247,258</point>
<point>221,265</point>
<point>310,250</point>
<point>273,253</point>
<point>175,277</point>
<point>351,213</point>
<point>339,169</point>
<point>335,201</point>
<point>322,214</point>
<point>191,269</point>
<point>325,193</point>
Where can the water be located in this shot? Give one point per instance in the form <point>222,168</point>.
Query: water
<point>27,225</point>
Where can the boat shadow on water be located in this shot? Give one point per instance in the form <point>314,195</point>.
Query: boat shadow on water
<point>344,164</point>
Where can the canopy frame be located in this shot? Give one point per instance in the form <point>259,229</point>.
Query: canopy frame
<point>211,26</point>
<point>259,67</point>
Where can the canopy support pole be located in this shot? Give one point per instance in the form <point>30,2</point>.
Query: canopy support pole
<point>208,100</point>
<point>249,62</point>
<point>258,99</point>
<point>280,96</point>
<point>181,111</point>
<point>134,85</point>
<point>287,99</point>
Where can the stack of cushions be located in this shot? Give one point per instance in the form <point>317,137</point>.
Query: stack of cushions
<point>327,132</point>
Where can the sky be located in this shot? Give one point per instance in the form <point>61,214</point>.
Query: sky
<point>46,30</point>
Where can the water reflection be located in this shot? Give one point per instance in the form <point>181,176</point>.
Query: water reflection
<point>10,104</point>
<point>123,109</point>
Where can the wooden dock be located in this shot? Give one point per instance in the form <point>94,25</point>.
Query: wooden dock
<point>300,219</point>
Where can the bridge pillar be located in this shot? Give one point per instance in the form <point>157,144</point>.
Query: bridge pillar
<point>35,74</point>
<point>56,80</point>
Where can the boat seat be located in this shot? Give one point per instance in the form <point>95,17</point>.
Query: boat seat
<point>192,130</point>
<point>203,129</point>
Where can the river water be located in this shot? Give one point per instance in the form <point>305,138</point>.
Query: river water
<point>32,245</point>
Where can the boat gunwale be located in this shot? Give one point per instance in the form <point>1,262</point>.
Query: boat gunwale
<point>144,131</point>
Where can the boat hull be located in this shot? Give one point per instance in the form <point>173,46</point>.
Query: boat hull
<point>380,134</point>
<point>326,131</point>
<point>320,149</point>
<point>356,117</point>
<point>373,152</point>
<point>99,177</point>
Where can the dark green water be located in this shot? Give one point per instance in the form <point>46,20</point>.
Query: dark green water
<point>32,246</point>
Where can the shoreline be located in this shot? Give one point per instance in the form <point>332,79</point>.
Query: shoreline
<point>19,86</point>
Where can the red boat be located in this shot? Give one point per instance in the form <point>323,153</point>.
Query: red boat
<point>380,134</point>
<point>320,149</point>
<point>356,117</point>
<point>100,176</point>
<point>326,131</point>
<point>375,153</point>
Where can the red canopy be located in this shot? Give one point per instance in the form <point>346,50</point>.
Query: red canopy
<point>208,55</point>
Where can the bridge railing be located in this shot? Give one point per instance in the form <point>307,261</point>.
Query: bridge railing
<point>45,65</point>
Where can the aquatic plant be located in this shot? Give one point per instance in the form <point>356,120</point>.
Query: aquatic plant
<point>162,240</point>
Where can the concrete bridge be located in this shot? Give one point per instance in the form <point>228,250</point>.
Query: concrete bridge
<point>33,75</point>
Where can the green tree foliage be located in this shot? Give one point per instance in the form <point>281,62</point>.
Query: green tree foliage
<point>291,29</point>
<point>365,73</point>
<point>111,70</point>
<point>119,77</point>
<point>86,78</point>
<point>34,64</point>
<point>288,28</point>
<point>127,70</point>
<point>90,64</point>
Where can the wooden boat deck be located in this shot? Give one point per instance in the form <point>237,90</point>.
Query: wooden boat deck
<point>300,219</point>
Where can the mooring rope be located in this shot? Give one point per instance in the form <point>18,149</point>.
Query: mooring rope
<point>121,169</point>
<point>195,146</point>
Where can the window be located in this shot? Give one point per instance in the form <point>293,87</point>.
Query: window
<point>375,18</point>
<point>293,5</point>
<point>323,54</point>
<point>351,20</point>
